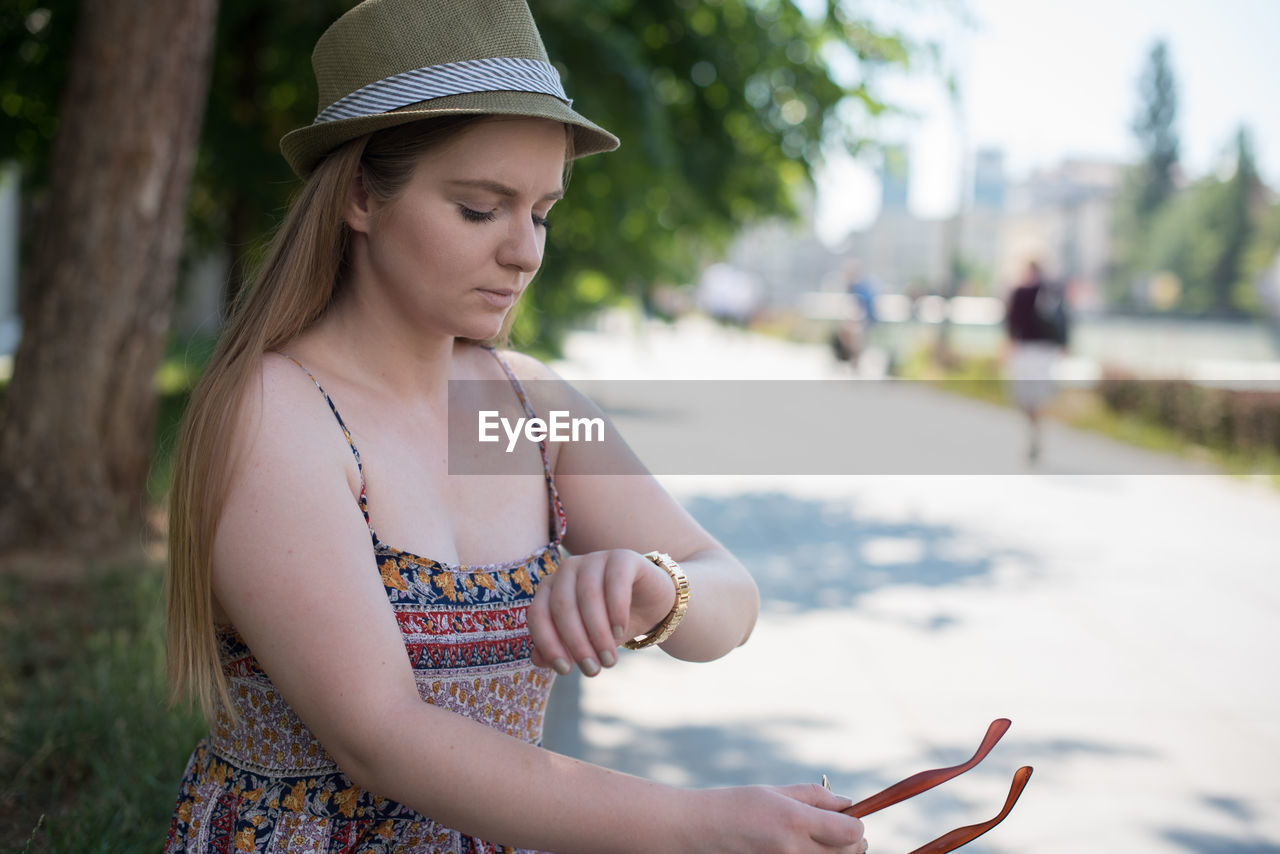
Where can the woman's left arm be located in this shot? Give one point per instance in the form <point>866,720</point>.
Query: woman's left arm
<point>607,592</point>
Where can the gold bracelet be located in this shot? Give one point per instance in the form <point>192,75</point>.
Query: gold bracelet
<point>671,622</point>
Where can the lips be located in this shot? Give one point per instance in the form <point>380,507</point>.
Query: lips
<point>499,297</point>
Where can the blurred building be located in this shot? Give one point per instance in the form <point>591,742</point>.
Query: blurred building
<point>981,223</point>
<point>787,260</point>
<point>1064,216</point>
<point>895,179</point>
<point>988,179</point>
<point>900,251</point>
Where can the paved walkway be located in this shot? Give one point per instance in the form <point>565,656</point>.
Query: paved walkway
<point>1129,625</point>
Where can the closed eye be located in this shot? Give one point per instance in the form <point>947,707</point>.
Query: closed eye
<point>472,215</point>
<point>542,221</point>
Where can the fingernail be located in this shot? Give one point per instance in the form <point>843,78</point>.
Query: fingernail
<point>561,666</point>
<point>607,658</point>
<point>589,666</point>
<point>617,634</point>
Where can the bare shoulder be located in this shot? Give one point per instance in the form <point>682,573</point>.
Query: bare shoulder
<point>545,388</point>
<point>278,398</point>
<point>285,435</point>
<point>526,367</point>
<point>551,396</point>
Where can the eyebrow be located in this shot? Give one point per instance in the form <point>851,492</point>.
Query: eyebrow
<point>502,189</point>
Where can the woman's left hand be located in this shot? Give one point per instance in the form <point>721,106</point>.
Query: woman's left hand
<point>591,604</point>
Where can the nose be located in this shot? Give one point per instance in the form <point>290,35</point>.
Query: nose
<point>522,247</point>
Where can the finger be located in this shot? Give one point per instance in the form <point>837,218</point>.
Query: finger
<point>838,831</point>
<point>815,795</point>
<point>617,597</point>
<point>567,616</point>
<point>610,578</point>
<point>548,651</point>
<point>536,658</point>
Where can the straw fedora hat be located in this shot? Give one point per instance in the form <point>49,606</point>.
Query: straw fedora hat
<point>389,62</point>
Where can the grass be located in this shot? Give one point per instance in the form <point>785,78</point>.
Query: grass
<point>90,753</point>
<point>980,378</point>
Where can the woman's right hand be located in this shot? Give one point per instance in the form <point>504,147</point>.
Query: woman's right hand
<point>799,819</point>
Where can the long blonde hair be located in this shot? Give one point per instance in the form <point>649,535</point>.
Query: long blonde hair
<point>302,272</point>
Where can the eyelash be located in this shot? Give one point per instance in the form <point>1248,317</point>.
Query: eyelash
<point>472,215</point>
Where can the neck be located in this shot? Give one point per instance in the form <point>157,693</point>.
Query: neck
<point>386,352</point>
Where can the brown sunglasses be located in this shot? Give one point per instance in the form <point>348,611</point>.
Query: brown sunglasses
<point>925,780</point>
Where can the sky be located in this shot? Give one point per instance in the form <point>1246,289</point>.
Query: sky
<point>1046,80</point>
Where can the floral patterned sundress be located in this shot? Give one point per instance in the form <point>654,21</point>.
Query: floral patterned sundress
<point>264,784</point>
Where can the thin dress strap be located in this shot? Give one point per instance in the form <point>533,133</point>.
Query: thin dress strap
<point>556,507</point>
<point>355,452</point>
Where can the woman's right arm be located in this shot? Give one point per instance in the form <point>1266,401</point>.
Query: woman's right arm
<point>294,571</point>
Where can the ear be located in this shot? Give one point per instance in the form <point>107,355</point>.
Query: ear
<point>358,212</point>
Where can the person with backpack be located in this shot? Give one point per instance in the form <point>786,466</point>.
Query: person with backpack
<point>1037,325</point>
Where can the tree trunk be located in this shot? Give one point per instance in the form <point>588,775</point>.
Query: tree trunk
<point>77,427</point>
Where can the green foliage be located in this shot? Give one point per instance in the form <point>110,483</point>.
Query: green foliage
<point>1201,237</point>
<point>722,109</point>
<point>88,740</point>
<point>1190,251</point>
<point>1259,255</point>
<point>261,88</point>
<point>1171,245</point>
<point>1154,127</point>
<point>1238,421</point>
<point>1149,184</point>
<point>35,43</point>
<point>1234,224</point>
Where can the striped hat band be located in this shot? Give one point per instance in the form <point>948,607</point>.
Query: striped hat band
<point>498,74</point>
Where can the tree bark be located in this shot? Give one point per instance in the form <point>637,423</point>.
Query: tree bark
<point>77,427</point>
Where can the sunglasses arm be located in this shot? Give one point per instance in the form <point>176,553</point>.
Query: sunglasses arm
<point>925,780</point>
<point>964,835</point>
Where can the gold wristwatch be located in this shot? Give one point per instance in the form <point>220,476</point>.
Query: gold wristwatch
<point>671,622</point>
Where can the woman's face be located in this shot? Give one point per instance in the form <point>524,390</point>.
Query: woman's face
<point>455,250</point>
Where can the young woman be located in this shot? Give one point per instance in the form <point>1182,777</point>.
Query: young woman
<point>372,636</point>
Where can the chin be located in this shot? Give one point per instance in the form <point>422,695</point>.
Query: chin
<point>483,331</point>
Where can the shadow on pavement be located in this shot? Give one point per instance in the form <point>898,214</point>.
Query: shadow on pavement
<point>1059,750</point>
<point>1233,807</point>
<point>808,554</point>
<point>703,756</point>
<point>706,755</point>
<point>1214,843</point>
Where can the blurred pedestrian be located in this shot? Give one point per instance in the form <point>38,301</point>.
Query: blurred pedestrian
<point>1037,325</point>
<point>852,334</point>
<point>863,291</point>
<point>374,663</point>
